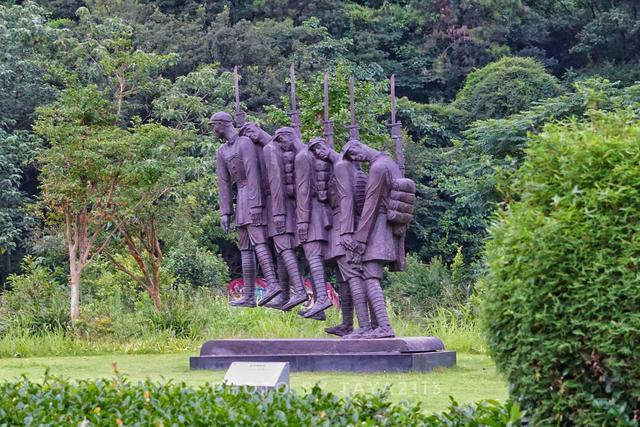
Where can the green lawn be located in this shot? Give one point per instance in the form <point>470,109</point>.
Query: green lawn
<point>474,378</point>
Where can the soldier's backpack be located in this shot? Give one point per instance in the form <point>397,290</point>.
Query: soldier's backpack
<point>323,174</point>
<point>401,201</point>
<point>288,158</point>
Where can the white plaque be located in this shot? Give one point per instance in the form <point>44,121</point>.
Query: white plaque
<point>259,375</point>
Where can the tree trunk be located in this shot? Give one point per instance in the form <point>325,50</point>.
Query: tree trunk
<point>154,293</point>
<point>75,273</point>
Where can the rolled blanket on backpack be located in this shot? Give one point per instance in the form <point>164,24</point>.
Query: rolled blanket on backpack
<point>401,201</point>
<point>400,196</point>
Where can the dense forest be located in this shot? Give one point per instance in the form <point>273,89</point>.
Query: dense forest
<point>107,160</point>
<point>521,131</point>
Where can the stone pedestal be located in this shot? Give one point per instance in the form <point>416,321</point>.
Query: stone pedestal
<point>368,355</point>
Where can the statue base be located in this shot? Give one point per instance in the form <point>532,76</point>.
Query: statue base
<point>317,355</point>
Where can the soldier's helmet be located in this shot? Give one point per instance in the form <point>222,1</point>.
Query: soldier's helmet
<point>347,147</point>
<point>243,130</point>
<point>315,141</point>
<point>283,130</point>
<point>220,116</point>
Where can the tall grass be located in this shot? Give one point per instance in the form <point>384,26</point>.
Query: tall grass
<point>187,322</point>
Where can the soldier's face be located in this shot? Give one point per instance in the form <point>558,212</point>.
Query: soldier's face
<point>252,133</point>
<point>286,141</point>
<point>219,127</point>
<point>321,151</point>
<point>356,153</point>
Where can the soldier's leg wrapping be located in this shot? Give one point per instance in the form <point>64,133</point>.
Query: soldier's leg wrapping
<point>313,252</point>
<point>358,296</point>
<point>376,299</point>
<point>283,277</point>
<point>268,270</point>
<point>346,308</point>
<point>299,294</point>
<point>346,303</point>
<point>249,278</point>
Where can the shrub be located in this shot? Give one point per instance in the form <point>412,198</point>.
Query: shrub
<point>423,287</point>
<point>505,87</point>
<point>118,402</point>
<point>36,303</point>
<point>562,297</point>
<point>198,267</point>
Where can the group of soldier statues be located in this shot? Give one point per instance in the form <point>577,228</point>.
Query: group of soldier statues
<point>289,194</point>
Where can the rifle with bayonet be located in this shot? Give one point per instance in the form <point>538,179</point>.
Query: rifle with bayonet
<point>396,127</point>
<point>240,115</point>
<point>294,114</point>
<point>354,132</point>
<point>328,124</point>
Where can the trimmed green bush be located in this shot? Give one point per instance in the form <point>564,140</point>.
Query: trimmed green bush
<point>117,402</point>
<point>505,87</point>
<point>562,304</point>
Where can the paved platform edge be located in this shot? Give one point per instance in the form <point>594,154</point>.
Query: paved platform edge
<point>392,362</point>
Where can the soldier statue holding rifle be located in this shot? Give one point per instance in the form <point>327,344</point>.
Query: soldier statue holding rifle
<point>238,166</point>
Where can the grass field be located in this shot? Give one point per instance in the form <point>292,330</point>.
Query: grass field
<point>474,378</point>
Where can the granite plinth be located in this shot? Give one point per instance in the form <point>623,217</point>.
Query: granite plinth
<point>367,355</point>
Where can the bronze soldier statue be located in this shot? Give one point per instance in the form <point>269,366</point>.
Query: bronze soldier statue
<point>281,224</point>
<point>377,240</point>
<point>238,164</point>
<point>345,179</point>
<point>312,220</point>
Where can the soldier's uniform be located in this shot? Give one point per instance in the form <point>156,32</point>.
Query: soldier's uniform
<point>374,230</point>
<point>238,164</point>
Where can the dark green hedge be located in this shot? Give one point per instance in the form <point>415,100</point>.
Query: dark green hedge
<point>57,402</point>
<point>562,303</point>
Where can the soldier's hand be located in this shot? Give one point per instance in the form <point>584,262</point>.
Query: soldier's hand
<point>348,242</point>
<point>256,217</point>
<point>280,223</point>
<point>225,223</point>
<point>303,231</point>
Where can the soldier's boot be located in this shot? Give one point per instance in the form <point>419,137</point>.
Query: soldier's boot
<point>376,299</point>
<point>346,307</point>
<point>249,277</point>
<point>266,264</point>
<point>322,301</point>
<point>283,278</point>
<point>299,294</point>
<point>358,296</point>
<point>320,316</point>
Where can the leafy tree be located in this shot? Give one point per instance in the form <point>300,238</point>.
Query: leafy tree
<point>81,174</point>
<point>26,40</point>
<point>16,150</point>
<point>144,208</point>
<point>508,136</point>
<point>505,87</point>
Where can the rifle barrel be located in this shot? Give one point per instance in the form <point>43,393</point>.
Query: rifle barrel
<point>236,87</point>
<point>352,101</point>
<point>326,97</point>
<point>393,98</point>
<point>292,75</point>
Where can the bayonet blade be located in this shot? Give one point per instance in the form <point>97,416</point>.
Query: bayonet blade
<point>295,117</point>
<point>393,99</point>
<point>326,97</point>
<point>292,76</point>
<point>352,101</point>
<point>240,116</point>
